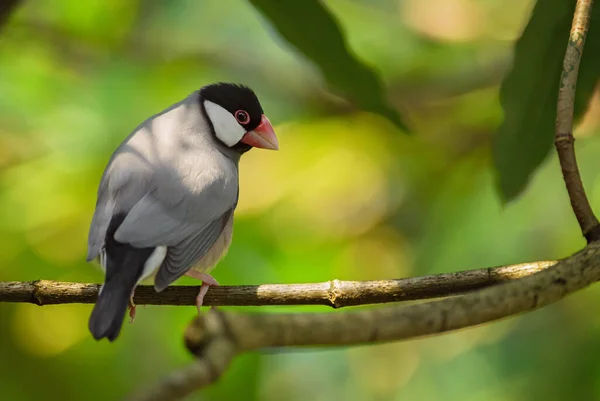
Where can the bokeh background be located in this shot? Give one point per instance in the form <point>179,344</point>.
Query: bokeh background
<point>348,196</point>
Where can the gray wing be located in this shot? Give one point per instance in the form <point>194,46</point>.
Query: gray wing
<point>186,220</point>
<point>182,256</point>
<point>173,211</point>
<point>99,225</point>
<point>187,224</point>
<point>151,223</point>
<point>118,192</point>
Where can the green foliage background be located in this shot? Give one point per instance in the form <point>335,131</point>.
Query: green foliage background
<point>348,196</point>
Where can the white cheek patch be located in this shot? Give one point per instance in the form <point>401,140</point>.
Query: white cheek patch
<point>227,129</point>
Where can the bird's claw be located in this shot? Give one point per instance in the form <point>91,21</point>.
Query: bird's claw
<point>207,281</point>
<point>132,307</point>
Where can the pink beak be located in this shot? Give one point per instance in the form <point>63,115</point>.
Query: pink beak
<point>262,136</point>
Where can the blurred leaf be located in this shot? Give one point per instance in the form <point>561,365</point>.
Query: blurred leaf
<point>6,8</point>
<point>324,44</point>
<point>529,92</point>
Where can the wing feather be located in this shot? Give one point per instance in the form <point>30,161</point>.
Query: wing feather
<point>184,255</point>
<point>150,223</point>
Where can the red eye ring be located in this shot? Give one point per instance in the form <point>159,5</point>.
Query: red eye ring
<point>242,116</point>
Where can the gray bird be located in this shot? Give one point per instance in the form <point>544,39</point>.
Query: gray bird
<point>167,197</point>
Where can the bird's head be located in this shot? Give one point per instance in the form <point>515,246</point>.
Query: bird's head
<point>237,117</point>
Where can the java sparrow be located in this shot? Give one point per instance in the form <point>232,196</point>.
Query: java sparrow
<point>167,196</point>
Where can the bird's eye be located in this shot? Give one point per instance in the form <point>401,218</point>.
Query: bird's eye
<point>242,116</point>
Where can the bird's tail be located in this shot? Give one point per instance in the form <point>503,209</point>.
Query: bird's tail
<point>122,274</point>
<point>108,313</point>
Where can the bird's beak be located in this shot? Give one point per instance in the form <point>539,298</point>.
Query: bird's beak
<point>262,136</point>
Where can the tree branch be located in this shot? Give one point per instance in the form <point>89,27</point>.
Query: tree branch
<point>564,140</point>
<point>217,336</point>
<point>333,293</point>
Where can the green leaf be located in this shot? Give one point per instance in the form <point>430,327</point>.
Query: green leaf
<point>309,27</point>
<point>529,92</point>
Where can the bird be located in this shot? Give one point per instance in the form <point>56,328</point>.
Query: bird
<point>166,199</point>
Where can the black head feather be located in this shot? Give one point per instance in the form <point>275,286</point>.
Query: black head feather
<point>234,97</point>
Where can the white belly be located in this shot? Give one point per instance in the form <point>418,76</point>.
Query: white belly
<point>153,262</point>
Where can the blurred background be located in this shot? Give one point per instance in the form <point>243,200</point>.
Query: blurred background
<point>348,196</point>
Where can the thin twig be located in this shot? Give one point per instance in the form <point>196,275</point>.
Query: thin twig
<point>333,293</point>
<point>564,141</point>
<point>214,337</point>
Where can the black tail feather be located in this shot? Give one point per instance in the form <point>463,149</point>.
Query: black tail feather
<point>124,267</point>
<point>108,313</point>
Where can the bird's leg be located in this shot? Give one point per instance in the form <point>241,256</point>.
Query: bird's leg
<point>207,281</point>
<point>132,306</point>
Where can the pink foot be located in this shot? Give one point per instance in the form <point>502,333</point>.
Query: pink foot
<point>132,307</point>
<point>207,281</point>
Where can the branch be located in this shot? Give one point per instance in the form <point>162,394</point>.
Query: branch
<point>218,336</point>
<point>333,293</point>
<point>564,140</point>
